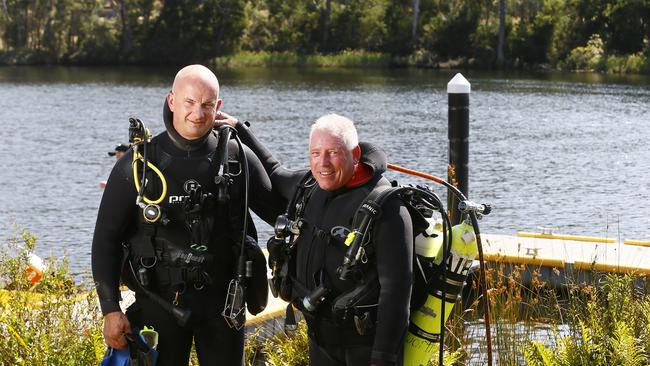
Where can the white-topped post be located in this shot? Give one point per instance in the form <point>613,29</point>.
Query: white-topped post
<point>458,90</point>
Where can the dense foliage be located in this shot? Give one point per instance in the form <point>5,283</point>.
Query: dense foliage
<point>573,34</point>
<point>54,322</point>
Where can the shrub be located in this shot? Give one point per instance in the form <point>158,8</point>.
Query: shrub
<point>55,322</point>
<point>288,349</point>
<point>589,57</point>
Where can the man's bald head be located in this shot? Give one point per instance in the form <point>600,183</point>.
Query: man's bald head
<point>194,101</point>
<point>196,73</point>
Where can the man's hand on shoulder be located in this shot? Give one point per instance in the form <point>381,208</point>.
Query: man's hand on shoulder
<point>115,325</point>
<point>223,118</point>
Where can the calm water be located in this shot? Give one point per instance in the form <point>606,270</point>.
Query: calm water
<point>562,150</point>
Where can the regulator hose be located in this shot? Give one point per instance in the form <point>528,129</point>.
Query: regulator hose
<point>139,135</point>
<point>139,186</point>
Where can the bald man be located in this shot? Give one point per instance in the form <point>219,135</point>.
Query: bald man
<point>184,256</point>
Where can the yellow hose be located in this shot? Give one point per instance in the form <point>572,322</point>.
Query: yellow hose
<point>138,157</point>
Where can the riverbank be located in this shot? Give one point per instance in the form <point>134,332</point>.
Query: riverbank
<point>582,59</point>
<point>349,58</point>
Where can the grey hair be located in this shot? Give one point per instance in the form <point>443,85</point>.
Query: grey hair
<point>337,126</point>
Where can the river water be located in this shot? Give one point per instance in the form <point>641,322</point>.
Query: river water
<point>555,150</point>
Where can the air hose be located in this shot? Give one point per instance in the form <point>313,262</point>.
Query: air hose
<point>471,209</point>
<point>139,135</point>
<point>139,186</point>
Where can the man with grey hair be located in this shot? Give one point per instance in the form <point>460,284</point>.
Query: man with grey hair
<point>343,172</point>
<point>177,251</point>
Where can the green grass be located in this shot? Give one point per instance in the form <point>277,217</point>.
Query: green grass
<point>343,59</point>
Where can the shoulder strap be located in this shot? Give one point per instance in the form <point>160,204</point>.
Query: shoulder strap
<point>304,189</point>
<point>158,156</point>
<point>371,206</point>
<point>414,198</point>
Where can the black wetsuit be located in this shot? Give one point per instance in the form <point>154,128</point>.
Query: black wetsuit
<point>119,221</point>
<point>333,343</point>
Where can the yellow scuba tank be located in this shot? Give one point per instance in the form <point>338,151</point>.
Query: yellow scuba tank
<point>424,327</point>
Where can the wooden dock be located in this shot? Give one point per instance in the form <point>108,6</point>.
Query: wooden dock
<point>562,251</point>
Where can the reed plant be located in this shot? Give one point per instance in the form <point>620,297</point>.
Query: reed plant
<point>593,319</point>
<point>519,303</point>
<point>610,326</point>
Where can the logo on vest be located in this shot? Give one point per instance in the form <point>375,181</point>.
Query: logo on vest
<point>190,185</point>
<point>339,232</point>
<point>187,187</point>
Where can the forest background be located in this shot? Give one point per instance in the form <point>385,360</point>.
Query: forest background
<point>600,35</point>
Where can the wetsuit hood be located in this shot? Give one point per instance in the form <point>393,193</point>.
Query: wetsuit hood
<point>372,163</point>
<point>178,140</point>
<point>374,157</point>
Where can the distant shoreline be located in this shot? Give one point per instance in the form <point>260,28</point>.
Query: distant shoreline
<point>625,64</point>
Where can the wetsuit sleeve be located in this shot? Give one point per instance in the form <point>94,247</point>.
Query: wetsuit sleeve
<point>117,211</point>
<point>266,203</point>
<point>393,237</point>
<point>284,180</point>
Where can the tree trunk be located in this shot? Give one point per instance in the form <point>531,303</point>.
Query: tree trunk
<point>414,21</point>
<point>326,24</point>
<point>127,38</point>
<point>24,35</point>
<point>502,32</point>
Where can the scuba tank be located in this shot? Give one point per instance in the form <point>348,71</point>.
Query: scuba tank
<point>425,323</point>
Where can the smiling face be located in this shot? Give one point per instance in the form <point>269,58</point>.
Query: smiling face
<point>331,162</point>
<point>194,100</point>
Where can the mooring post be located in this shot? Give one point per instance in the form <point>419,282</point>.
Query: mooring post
<point>458,90</point>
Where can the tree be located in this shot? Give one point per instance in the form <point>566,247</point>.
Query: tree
<point>624,27</point>
<point>188,31</point>
<point>415,21</point>
<point>502,32</point>
<point>326,23</point>
<point>397,19</point>
<point>127,37</point>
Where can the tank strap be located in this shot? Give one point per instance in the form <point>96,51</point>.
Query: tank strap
<point>453,285</point>
<point>421,333</point>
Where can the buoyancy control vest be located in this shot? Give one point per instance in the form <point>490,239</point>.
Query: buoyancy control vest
<point>352,294</point>
<point>327,220</point>
<point>189,245</point>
